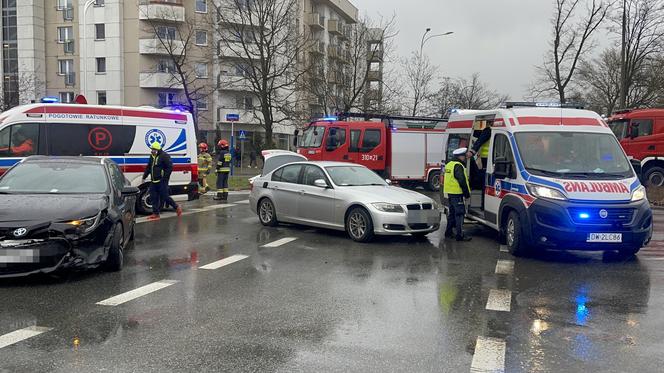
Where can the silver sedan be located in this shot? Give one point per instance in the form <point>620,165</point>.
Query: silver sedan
<point>341,196</point>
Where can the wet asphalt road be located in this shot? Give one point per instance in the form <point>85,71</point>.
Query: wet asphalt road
<point>314,301</point>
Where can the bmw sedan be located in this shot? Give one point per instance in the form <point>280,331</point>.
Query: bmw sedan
<point>65,212</point>
<point>341,196</point>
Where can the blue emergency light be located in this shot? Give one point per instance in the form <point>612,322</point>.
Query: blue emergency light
<point>50,100</point>
<point>584,215</point>
<point>330,119</point>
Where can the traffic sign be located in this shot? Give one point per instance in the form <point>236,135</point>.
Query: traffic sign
<point>243,135</point>
<point>232,117</point>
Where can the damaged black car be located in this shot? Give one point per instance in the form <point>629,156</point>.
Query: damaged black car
<point>64,213</point>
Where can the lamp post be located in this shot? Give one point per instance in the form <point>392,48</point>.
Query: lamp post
<point>426,38</point>
<point>84,45</point>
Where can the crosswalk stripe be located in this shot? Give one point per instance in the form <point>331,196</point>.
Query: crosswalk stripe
<point>499,300</point>
<point>21,335</point>
<point>224,262</point>
<point>136,293</point>
<point>504,249</point>
<point>504,267</point>
<point>280,242</point>
<point>489,355</point>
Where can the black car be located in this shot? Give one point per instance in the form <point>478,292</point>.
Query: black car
<point>64,212</point>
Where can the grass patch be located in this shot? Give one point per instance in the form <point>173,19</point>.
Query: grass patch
<point>234,183</point>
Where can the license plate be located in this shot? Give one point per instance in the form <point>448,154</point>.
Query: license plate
<point>604,237</point>
<point>18,256</point>
<point>415,217</point>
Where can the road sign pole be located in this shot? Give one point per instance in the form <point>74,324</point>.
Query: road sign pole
<point>232,148</point>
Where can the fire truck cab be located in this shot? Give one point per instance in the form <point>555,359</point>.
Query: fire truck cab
<point>406,150</point>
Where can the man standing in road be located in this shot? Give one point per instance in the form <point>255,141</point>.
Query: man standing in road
<point>204,165</point>
<point>159,169</point>
<point>457,187</point>
<point>224,160</point>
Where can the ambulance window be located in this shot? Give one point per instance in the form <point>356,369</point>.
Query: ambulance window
<point>354,141</point>
<point>455,142</point>
<point>502,148</point>
<point>371,140</point>
<point>19,140</point>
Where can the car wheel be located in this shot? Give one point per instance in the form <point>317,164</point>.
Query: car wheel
<point>115,258</point>
<point>514,235</point>
<point>143,203</point>
<point>434,181</point>
<point>267,214</point>
<point>359,225</point>
<point>655,176</point>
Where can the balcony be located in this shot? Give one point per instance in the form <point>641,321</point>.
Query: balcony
<point>156,46</point>
<point>335,27</point>
<point>159,80</point>
<point>316,21</point>
<point>375,55</point>
<point>169,11</point>
<point>374,76</point>
<point>318,48</point>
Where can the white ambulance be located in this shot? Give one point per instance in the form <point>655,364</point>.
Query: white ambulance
<point>123,134</point>
<point>555,177</point>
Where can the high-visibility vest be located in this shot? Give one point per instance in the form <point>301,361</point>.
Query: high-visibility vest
<point>451,184</point>
<point>224,162</point>
<point>204,162</point>
<point>484,150</point>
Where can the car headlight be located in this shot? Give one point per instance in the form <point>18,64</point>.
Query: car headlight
<point>545,192</point>
<point>639,194</point>
<point>388,207</point>
<point>86,225</point>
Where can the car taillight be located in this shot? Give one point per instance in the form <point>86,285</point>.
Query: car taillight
<point>194,173</point>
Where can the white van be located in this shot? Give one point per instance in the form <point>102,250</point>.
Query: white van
<point>123,134</point>
<point>555,178</point>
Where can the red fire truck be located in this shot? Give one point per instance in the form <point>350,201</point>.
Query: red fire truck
<point>407,150</point>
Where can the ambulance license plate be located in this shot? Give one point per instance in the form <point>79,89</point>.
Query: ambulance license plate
<point>604,237</point>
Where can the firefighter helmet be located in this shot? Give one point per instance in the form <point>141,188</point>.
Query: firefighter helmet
<point>203,147</point>
<point>222,143</point>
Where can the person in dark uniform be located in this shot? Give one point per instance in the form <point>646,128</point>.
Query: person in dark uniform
<point>457,187</point>
<point>159,169</point>
<point>224,159</point>
<point>481,147</point>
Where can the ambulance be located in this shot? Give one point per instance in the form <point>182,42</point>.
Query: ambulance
<point>555,177</point>
<point>123,134</point>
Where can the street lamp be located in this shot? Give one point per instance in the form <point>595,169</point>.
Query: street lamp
<point>84,45</point>
<point>426,38</point>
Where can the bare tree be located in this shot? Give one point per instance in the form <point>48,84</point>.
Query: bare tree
<point>265,43</point>
<point>420,75</point>
<point>187,61</point>
<point>28,88</point>
<point>465,93</point>
<point>641,25</point>
<point>599,79</point>
<point>572,38</point>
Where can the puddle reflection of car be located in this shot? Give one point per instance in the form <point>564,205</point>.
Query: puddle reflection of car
<point>341,196</point>
<point>66,212</point>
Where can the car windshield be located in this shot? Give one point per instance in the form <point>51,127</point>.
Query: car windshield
<point>312,137</point>
<point>54,178</point>
<point>354,176</point>
<point>573,155</point>
<point>619,128</point>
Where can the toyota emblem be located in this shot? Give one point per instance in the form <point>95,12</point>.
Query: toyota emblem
<point>603,213</point>
<point>20,232</point>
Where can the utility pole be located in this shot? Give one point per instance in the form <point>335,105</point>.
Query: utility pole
<point>623,59</point>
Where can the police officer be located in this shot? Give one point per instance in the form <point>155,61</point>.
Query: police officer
<point>224,159</point>
<point>457,187</point>
<point>204,165</point>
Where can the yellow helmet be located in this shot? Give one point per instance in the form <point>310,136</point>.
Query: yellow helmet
<point>156,146</point>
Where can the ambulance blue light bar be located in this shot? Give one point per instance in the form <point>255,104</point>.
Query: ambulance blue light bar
<point>50,100</point>
<point>330,119</point>
<point>510,105</point>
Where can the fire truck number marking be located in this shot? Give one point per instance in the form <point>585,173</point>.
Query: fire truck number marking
<point>369,157</point>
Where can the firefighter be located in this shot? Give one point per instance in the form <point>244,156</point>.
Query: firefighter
<point>204,165</point>
<point>457,187</point>
<point>159,169</point>
<point>224,160</point>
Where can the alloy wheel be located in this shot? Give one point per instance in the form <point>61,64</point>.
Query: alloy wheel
<point>357,225</point>
<point>266,212</point>
<point>510,232</point>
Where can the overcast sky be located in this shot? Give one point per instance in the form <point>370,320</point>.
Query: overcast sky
<point>503,40</point>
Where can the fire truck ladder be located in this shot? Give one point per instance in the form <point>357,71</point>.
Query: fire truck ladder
<point>416,122</point>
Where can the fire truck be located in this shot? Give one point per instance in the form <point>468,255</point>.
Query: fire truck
<point>407,150</point>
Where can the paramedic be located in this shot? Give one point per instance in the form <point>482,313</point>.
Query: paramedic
<point>457,187</point>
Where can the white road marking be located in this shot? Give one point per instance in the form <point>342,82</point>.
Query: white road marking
<point>137,293</point>
<point>504,249</point>
<point>185,212</point>
<point>239,192</point>
<point>243,202</point>
<point>280,242</point>
<point>505,267</point>
<point>499,300</point>
<point>649,258</point>
<point>489,355</point>
<point>21,335</point>
<point>224,262</point>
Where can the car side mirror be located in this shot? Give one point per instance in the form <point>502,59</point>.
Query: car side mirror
<point>130,191</point>
<point>321,183</point>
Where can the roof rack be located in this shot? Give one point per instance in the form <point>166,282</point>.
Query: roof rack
<point>367,116</point>
<point>567,105</point>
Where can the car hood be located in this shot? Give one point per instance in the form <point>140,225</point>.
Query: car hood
<point>35,208</point>
<point>389,194</point>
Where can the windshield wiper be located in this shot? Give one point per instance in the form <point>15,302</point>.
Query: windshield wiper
<point>546,172</point>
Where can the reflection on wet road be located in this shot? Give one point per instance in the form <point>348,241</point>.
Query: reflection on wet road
<point>216,291</point>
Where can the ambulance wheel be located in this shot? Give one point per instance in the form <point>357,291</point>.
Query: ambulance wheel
<point>434,181</point>
<point>514,235</point>
<point>143,203</point>
<point>655,176</point>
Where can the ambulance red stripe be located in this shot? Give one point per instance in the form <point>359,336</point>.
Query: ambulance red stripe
<point>557,121</point>
<point>460,124</point>
<point>105,111</point>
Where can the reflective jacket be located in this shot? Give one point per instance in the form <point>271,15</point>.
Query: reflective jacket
<point>456,180</point>
<point>204,162</point>
<point>224,161</point>
<point>159,167</point>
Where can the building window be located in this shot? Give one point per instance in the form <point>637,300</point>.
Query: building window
<point>64,4</point>
<point>101,65</point>
<point>65,66</point>
<point>201,6</point>
<point>166,65</point>
<point>101,97</point>
<point>65,34</point>
<point>100,2</point>
<point>245,102</point>
<point>166,32</point>
<point>202,104</point>
<point>66,97</point>
<point>166,99</point>
<point>201,70</point>
<point>201,37</point>
<point>100,31</point>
